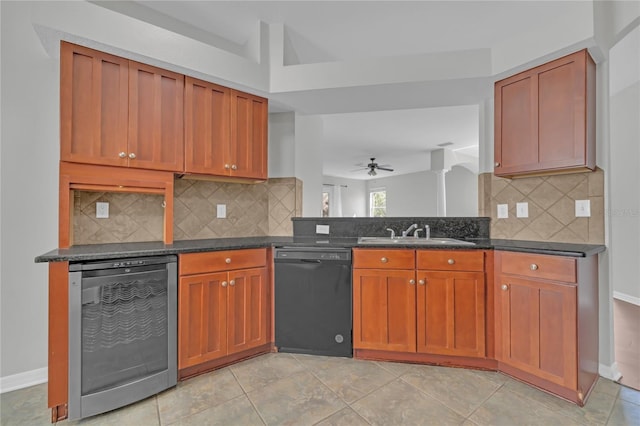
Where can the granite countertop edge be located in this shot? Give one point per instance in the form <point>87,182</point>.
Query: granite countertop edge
<point>126,250</point>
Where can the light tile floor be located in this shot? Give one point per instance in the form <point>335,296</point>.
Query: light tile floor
<point>286,389</point>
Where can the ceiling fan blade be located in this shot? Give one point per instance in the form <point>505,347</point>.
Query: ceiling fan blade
<point>384,168</point>
<point>359,170</point>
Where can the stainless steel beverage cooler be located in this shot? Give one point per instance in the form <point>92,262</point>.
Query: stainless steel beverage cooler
<point>122,332</point>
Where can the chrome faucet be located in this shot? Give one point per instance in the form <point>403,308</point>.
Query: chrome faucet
<point>408,231</point>
<point>393,233</point>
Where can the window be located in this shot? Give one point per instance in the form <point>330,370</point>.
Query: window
<point>378,203</point>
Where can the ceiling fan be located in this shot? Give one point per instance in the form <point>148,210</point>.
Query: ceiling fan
<point>373,166</point>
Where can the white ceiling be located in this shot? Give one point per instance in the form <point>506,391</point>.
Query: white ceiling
<point>396,123</point>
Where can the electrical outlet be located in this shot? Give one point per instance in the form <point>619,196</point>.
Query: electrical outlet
<point>503,211</point>
<point>322,229</point>
<point>522,209</point>
<point>583,208</point>
<point>221,211</point>
<point>102,210</point>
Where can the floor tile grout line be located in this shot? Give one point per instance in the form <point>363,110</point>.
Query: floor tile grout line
<point>484,401</point>
<point>155,397</point>
<point>434,398</point>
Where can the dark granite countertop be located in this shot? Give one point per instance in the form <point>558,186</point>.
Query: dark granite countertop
<point>545,247</point>
<point>125,250</point>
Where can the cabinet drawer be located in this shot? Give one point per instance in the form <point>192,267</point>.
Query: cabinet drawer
<point>450,260</point>
<point>384,259</point>
<point>198,263</point>
<point>557,268</point>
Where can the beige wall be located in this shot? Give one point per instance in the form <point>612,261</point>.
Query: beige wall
<point>551,207</point>
<point>252,210</point>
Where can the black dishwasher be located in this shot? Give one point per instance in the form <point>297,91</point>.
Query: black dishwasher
<point>313,300</point>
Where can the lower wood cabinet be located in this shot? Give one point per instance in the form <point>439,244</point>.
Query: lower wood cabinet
<point>401,306</point>
<point>547,321</point>
<point>450,313</point>
<point>384,310</point>
<point>221,313</point>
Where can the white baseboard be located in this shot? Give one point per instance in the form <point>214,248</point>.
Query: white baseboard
<point>610,372</point>
<point>626,298</point>
<point>23,380</point>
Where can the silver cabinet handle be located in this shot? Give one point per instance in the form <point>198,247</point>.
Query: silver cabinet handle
<point>122,155</point>
<point>412,282</point>
<point>422,282</point>
<point>132,156</point>
<point>451,261</point>
<point>226,166</point>
<point>384,260</point>
<point>232,282</point>
<point>224,284</point>
<point>533,267</point>
<point>504,287</point>
<point>497,164</point>
<point>234,167</point>
<point>227,260</point>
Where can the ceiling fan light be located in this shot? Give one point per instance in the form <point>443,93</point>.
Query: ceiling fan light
<point>372,172</point>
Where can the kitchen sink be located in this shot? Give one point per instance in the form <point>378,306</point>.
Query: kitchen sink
<point>413,241</point>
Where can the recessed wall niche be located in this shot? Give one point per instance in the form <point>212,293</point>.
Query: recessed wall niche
<point>252,210</point>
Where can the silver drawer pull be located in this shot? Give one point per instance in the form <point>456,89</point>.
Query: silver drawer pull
<point>232,282</point>
<point>384,260</point>
<point>228,260</point>
<point>412,282</point>
<point>533,267</point>
<point>224,284</point>
<point>451,261</point>
<point>422,282</point>
<point>504,287</point>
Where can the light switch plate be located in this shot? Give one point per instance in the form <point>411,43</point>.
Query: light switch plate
<point>221,211</point>
<point>322,229</point>
<point>503,211</point>
<point>583,208</point>
<point>102,210</point>
<point>522,209</point>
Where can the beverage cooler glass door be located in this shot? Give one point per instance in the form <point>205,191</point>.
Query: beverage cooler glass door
<point>122,334</point>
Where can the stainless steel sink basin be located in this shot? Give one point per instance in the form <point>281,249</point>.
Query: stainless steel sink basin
<point>413,241</point>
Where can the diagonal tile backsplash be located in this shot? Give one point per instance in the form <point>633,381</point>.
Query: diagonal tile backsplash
<point>252,210</point>
<point>551,207</point>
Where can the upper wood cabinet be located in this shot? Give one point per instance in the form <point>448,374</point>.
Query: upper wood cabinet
<point>207,110</point>
<point>225,131</point>
<point>156,115</point>
<point>118,112</point>
<point>545,118</point>
<point>248,146</point>
<point>94,106</point>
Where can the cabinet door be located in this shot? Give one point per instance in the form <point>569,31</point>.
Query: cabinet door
<point>384,310</point>
<point>93,106</point>
<point>545,118</point>
<point>155,118</point>
<point>538,328</point>
<point>248,147</point>
<point>516,119</point>
<point>562,113</point>
<point>202,318</point>
<point>248,314</point>
<point>206,111</point>
<point>451,313</point>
